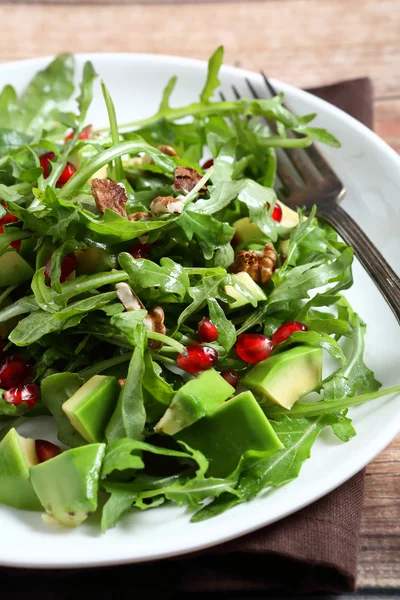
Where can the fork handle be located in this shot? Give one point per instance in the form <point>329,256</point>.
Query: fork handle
<point>371,259</point>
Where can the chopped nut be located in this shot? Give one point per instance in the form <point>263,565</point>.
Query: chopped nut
<point>169,150</point>
<point>154,321</point>
<point>138,216</point>
<point>127,297</point>
<point>169,205</point>
<point>122,382</point>
<point>109,194</point>
<point>187,178</point>
<point>259,265</point>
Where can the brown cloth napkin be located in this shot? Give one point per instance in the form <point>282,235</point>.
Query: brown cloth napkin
<point>314,549</point>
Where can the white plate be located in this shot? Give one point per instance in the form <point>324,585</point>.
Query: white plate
<point>371,172</point>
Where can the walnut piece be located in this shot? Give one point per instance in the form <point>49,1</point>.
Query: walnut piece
<point>166,205</point>
<point>109,194</point>
<point>127,297</point>
<point>169,150</point>
<point>122,382</point>
<point>259,265</point>
<point>138,216</point>
<point>153,321</point>
<point>187,178</point>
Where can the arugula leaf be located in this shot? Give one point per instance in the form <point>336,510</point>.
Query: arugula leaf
<point>207,288</point>
<point>57,258</point>
<point>55,390</point>
<point>129,324</point>
<point>327,407</point>
<point>354,377</point>
<point>129,417</point>
<point>47,90</point>
<point>168,277</point>
<point>118,503</point>
<point>210,232</point>
<point>118,168</point>
<point>96,302</point>
<point>40,323</point>
<point>313,338</point>
<point>212,82</point>
<point>225,327</point>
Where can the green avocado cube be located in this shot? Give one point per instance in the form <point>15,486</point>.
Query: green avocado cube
<point>14,269</point>
<point>235,428</point>
<point>91,407</point>
<point>67,485</point>
<point>17,456</point>
<point>194,400</point>
<point>244,279</point>
<point>286,377</point>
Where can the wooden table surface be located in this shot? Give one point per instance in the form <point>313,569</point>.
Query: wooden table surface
<point>303,42</point>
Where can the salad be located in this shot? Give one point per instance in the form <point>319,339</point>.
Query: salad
<point>184,329</point>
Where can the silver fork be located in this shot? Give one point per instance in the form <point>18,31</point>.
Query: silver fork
<point>305,179</point>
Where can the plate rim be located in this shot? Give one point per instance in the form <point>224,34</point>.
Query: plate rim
<point>391,430</point>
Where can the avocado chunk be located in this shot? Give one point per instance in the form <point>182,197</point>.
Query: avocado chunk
<point>67,485</point>
<point>240,300</point>
<point>14,269</point>
<point>237,427</point>
<point>94,260</point>
<point>17,456</point>
<point>286,377</point>
<point>194,400</point>
<point>90,408</point>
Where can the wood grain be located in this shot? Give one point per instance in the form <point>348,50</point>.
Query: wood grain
<point>304,42</point>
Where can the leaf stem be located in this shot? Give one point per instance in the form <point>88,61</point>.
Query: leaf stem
<point>118,168</point>
<point>168,341</point>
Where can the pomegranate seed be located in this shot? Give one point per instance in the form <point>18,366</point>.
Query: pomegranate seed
<point>232,377</point>
<point>198,358</point>
<point>14,371</point>
<point>68,266</point>
<point>46,166</point>
<point>285,331</point>
<point>45,163</point>
<point>28,393</point>
<point>141,250</point>
<point>66,175</point>
<point>208,163</point>
<point>8,218</point>
<point>276,213</point>
<point>85,135</point>
<point>46,450</point>
<point>253,347</point>
<point>207,331</point>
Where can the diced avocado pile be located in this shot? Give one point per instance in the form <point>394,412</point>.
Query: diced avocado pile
<point>202,414</point>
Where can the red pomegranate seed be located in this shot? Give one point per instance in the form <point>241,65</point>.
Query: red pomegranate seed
<point>68,266</point>
<point>198,358</point>
<point>253,347</point>
<point>207,331</point>
<point>232,377</point>
<point>8,218</point>
<point>208,163</point>
<point>85,135</point>
<point>285,331</point>
<point>14,371</point>
<point>65,176</point>
<point>141,250</point>
<point>276,213</point>
<point>46,450</point>
<point>28,393</point>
